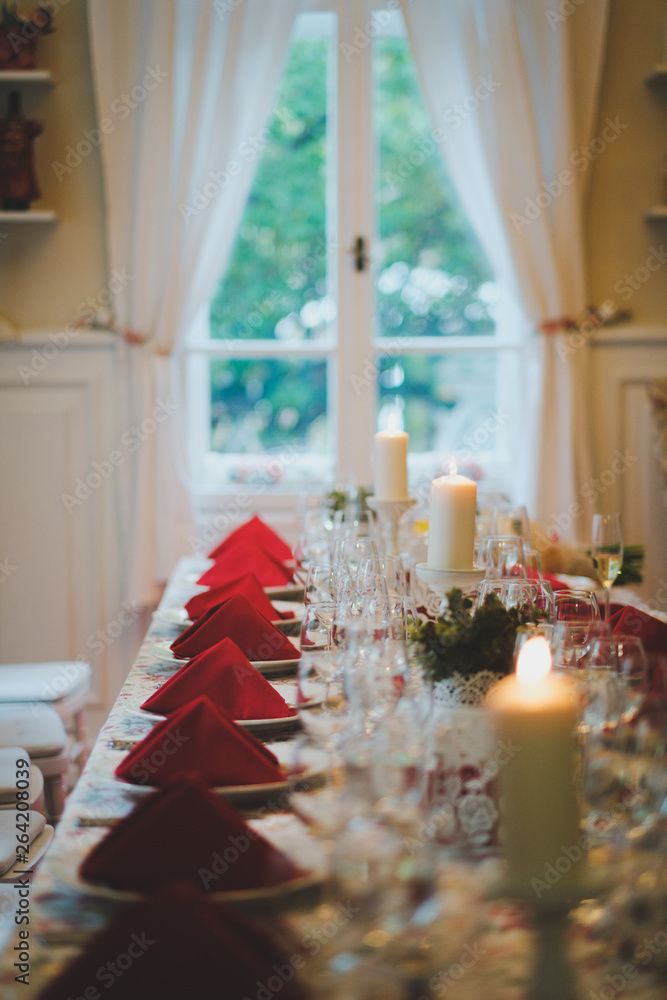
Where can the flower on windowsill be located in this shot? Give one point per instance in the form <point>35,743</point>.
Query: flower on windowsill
<point>133,338</point>
<point>590,321</point>
<point>103,319</point>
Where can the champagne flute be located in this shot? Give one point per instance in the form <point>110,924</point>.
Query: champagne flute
<point>607,551</point>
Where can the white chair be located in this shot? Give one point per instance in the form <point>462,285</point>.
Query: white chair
<point>39,729</point>
<point>62,684</point>
<point>9,776</point>
<point>40,834</point>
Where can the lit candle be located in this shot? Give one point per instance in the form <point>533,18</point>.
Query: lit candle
<point>451,529</point>
<point>391,463</point>
<point>536,718</point>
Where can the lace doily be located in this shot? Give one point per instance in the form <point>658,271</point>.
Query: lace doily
<point>462,776</point>
<point>459,690</point>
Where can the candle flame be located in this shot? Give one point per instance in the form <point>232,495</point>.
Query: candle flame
<point>392,422</point>
<point>452,467</point>
<point>534,660</point>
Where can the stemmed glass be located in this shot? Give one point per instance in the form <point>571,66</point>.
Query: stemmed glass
<point>319,584</point>
<point>502,556</point>
<point>321,701</point>
<point>607,551</point>
<point>510,519</point>
<point>577,615</point>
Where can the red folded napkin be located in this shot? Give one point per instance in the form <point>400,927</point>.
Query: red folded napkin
<point>257,531</point>
<point>651,631</point>
<point>200,737</point>
<point>235,619</point>
<point>186,831</point>
<point>176,944</point>
<point>228,678</point>
<point>248,585</point>
<point>247,557</point>
<point>555,581</point>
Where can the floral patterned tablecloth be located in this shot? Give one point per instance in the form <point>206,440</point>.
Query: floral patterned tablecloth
<point>479,947</point>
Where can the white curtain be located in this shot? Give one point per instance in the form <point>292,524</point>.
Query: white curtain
<point>184,89</point>
<point>513,86</point>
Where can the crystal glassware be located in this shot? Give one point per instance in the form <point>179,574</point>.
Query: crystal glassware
<point>607,551</point>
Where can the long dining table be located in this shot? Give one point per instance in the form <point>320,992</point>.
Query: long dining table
<point>481,944</point>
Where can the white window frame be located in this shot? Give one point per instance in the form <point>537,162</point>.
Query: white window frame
<point>356,348</point>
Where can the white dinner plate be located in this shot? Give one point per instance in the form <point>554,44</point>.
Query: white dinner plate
<point>285,591</point>
<point>288,724</point>
<point>179,616</point>
<point>294,609</point>
<point>161,650</point>
<point>173,616</point>
<point>312,759</point>
<point>284,890</point>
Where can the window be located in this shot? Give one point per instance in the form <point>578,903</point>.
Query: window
<point>317,333</point>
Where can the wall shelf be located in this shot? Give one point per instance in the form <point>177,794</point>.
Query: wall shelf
<point>23,76</point>
<point>30,216</point>
<point>657,74</point>
<point>656,213</point>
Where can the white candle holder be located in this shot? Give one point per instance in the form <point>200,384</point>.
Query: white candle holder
<point>442,580</point>
<point>390,513</point>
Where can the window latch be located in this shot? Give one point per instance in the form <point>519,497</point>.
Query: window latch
<point>361,259</point>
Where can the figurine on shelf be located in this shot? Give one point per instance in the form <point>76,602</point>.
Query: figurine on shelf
<point>19,34</point>
<point>18,181</point>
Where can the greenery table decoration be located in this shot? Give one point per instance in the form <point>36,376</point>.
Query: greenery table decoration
<point>462,644</point>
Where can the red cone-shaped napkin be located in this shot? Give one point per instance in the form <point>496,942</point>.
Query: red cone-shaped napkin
<point>247,557</point>
<point>651,631</point>
<point>199,737</point>
<point>236,619</point>
<point>555,581</point>
<point>186,831</point>
<point>248,585</point>
<point>228,678</point>
<point>173,945</point>
<point>257,531</point>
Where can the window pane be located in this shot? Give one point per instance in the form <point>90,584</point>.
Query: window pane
<point>269,418</point>
<point>432,276</point>
<point>452,405</point>
<point>276,283</point>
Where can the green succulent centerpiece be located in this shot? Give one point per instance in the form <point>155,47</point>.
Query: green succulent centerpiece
<point>464,644</point>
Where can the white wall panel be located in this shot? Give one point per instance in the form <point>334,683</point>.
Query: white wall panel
<point>66,588</point>
<point>623,363</point>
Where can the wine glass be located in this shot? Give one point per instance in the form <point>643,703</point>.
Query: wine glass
<point>607,551</point>
<point>321,701</point>
<point>577,616</point>
<point>502,556</point>
<point>320,583</point>
<point>510,519</point>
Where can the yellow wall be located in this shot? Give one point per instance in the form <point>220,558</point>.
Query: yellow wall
<point>627,177</point>
<point>46,273</point>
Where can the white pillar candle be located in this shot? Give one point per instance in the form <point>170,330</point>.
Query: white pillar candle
<point>451,528</point>
<point>536,717</point>
<point>391,465</point>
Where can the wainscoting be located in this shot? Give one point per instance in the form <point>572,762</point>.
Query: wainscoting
<point>623,362</point>
<point>60,530</point>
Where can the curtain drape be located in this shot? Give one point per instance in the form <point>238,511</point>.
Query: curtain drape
<point>184,89</point>
<point>512,89</point>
